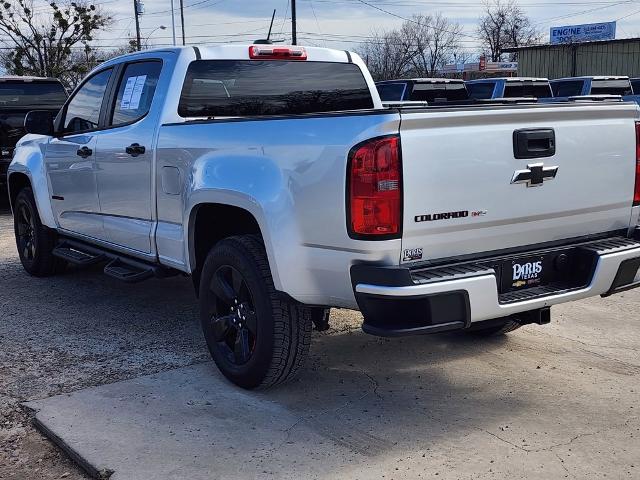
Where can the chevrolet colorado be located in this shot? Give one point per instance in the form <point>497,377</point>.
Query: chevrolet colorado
<point>274,178</point>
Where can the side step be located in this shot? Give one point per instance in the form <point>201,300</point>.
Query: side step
<point>77,257</point>
<point>119,266</point>
<point>129,272</point>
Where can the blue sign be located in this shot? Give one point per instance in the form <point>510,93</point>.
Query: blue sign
<point>583,33</point>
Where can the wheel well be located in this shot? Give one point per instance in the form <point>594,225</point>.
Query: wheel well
<point>17,182</point>
<point>213,222</point>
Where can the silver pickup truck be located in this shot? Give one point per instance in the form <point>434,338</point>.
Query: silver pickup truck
<point>274,177</point>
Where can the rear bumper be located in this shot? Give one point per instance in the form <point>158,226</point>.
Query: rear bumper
<point>401,301</point>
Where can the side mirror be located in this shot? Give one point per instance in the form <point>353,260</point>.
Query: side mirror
<point>39,122</point>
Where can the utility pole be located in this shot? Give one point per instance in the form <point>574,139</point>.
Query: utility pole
<point>137,13</point>
<point>173,24</point>
<point>294,36</point>
<point>182,20</point>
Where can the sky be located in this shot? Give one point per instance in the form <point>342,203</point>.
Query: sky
<point>340,24</point>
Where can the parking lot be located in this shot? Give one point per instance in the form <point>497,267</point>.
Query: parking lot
<point>559,401</point>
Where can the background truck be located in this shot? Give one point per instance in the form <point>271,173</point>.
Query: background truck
<point>19,95</point>
<point>429,90</point>
<point>564,88</point>
<point>509,87</point>
<point>274,177</point>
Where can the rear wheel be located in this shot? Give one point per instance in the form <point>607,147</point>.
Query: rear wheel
<point>256,338</point>
<point>34,241</point>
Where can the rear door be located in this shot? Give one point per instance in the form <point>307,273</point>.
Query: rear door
<point>125,156</point>
<point>465,191</point>
<point>70,159</point>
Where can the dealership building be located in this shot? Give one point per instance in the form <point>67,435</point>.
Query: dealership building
<point>600,57</point>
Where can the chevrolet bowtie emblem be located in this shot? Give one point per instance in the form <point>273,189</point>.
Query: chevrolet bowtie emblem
<point>534,175</point>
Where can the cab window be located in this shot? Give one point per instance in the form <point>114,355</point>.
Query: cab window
<point>83,111</point>
<point>135,92</point>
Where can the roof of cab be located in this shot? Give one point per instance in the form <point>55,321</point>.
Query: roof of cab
<point>593,77</point>
<point>510,79</point>
<point>424,80</point>
<point>17,78</point>
<point>241,52</point>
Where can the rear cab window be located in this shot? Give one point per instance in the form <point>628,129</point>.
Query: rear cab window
<point>239,88</point>
<point>611,87</point>
<point>527,90</point>
<point>42,94</point>
<point>439,92</point>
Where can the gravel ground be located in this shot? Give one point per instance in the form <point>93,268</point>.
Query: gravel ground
<point>78,330</point>
<point>82,329</point>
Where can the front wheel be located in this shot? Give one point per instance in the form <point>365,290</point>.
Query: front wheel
<point>34,241</point>
<point>256,338</point>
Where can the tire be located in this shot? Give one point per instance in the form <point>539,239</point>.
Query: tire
<point>500,326</point>
<point>256,338</point>
<point>34,241</point>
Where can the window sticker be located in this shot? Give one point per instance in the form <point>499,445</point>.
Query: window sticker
<point>133,92</point>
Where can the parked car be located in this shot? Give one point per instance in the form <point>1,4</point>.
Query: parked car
<point>429,90</point>
<point>509,87</point>
<point>292,190</point>
<point>18,95</point>
<point>564,88</point>
<point>635,85</point>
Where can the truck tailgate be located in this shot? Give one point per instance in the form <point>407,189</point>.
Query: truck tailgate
<point>458,167</point>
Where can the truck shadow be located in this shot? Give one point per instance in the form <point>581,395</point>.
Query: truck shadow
<point>364,394</point>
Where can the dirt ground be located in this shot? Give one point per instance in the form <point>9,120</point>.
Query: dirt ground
<point>82,329</point>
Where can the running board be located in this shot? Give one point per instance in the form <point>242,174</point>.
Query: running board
<point>77,257</point>
<point>119,266</point>
<point>129,272</point>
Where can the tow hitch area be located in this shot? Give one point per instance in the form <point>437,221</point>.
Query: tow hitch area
<point>542,316</point>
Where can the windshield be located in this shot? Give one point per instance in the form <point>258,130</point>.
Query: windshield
<point>32,94</point>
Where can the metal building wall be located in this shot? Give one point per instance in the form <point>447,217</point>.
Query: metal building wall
<point>619,57</point>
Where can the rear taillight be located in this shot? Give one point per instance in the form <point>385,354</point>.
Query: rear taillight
<point>263,52</point>
<point>374,193</point>
<point>636,193</point>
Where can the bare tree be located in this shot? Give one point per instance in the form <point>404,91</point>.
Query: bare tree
<point>48,42</point>
<point>433,41</point>
<point>504,24</point>
<point>386,55</point>
<point>423,45</point>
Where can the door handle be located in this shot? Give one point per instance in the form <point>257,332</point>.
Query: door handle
<point>135,149</point>
<point>84,152</point>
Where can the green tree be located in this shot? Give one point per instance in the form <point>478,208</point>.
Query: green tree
<point>47,42</point>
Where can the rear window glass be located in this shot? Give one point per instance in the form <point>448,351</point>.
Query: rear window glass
<point>527,90</point>
<point>235,88</point>
<point>610,87</point>
<point>391,92</point>
<point>481,91</point>
<point>32,94</point>
<point>439,92</point>
<point>569,88</point>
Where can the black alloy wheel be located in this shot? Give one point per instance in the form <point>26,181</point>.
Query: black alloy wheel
<point>233,320</point>
<point>26,239</point>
